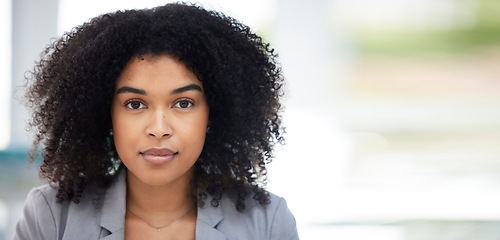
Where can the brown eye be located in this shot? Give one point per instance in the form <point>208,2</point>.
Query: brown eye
<point>135,105</point>
<point>183,104</point>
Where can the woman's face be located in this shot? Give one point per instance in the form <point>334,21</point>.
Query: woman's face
<point>160,114</point>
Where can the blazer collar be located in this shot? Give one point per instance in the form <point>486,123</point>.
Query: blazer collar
<point>113,208</point>
<point>206,223</point>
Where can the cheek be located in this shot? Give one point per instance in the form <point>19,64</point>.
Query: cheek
<point>197,132</point>
<point>119,138</point>
<point>122,133</point>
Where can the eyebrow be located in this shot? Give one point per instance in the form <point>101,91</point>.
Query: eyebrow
<point>130,90</point>
<point>186,88</point>
<point>190,87</point>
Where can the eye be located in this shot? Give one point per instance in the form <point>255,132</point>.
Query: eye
<point>184,103</point>
<point>134,104</point>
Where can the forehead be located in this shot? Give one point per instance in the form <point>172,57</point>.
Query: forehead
<point>156,70</point>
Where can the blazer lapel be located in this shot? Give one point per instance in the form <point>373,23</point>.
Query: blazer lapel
<point>118,235</point>
<point>113,215</point>
<point>206,223</point>
<point>113,209</point>
<point>82,221</point>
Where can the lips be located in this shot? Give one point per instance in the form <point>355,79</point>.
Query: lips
<point>158,155</point>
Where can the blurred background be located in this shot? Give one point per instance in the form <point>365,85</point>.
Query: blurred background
<point>391,110</point>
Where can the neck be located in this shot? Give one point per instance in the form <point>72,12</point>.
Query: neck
<point>171,199</point>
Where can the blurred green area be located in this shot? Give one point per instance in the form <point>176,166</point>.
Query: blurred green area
<point>485,31</point>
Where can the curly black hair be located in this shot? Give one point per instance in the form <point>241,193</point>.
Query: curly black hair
<point>71,88</point>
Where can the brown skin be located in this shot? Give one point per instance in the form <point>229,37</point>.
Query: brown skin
<point>160,114</point>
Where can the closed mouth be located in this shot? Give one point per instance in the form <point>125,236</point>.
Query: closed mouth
<point>158,152</point>
<point>158,155</point>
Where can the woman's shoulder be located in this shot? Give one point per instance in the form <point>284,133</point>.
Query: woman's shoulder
<point>44,217</point>
<point>46,195</point>
<point>44,198</point>
<point>39,215</point>
<point>257,221</point>
<point>253,208</point>
<point>43,194</point>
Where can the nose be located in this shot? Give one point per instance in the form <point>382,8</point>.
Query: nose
<point>159,125</point>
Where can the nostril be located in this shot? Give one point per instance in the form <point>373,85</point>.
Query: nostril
<point>160,135</point>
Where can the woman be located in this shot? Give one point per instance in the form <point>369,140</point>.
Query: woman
<point>156,124</point>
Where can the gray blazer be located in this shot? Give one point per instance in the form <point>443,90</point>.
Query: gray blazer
<point>105,218</point>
